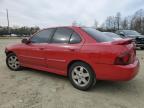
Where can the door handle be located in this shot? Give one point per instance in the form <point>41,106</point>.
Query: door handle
<point>71,49</point>
<point>41,48</point>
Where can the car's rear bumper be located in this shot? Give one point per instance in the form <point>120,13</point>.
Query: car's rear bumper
<point>116,72</point>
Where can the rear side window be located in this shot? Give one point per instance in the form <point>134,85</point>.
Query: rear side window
<point>42,36</point>
<point>62,35</point>
<point>97,35</point>
<point>75,38</point>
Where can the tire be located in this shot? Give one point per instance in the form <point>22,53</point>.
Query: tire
<point>13,62</point>
<point>142,48</point>
<point>81,76</point>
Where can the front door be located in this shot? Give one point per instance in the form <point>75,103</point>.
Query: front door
<point>33,54</point>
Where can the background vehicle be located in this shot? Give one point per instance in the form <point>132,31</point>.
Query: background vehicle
<point>83,54</point>
<point>113,35</point>
<point>139,39</point>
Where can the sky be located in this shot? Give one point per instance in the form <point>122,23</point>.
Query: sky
<point>47,13</point>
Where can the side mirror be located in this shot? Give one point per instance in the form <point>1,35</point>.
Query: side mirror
<point>25,41</point>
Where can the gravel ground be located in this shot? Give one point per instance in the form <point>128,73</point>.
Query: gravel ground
<point>36,89</point>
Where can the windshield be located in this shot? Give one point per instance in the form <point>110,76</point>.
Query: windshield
<point>97,35</point>
<point>131,32</point>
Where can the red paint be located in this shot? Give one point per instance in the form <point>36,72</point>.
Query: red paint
<point>101,56</point>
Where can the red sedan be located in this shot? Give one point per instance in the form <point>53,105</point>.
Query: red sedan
<point>83,54</point>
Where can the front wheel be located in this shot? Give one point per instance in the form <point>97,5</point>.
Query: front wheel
<point>81,76</point>
<point>13,62</point>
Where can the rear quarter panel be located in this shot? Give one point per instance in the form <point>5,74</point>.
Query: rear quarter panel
<point>102,53</point>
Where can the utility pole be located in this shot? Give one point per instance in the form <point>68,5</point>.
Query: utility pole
<point>8,21</point>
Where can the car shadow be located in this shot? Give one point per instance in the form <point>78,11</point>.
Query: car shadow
<point>124,87</point>
<point>43,73</point>
<point>127,87</point>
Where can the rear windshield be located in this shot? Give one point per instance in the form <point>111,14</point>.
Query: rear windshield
<point>97,35</point>
<point>131,32</point>
<point>113,35</point>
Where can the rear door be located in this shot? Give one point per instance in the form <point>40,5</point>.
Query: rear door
<point>65,44</point>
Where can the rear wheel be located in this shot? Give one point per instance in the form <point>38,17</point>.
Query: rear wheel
<point>13,62</point>
<point>81,76</point>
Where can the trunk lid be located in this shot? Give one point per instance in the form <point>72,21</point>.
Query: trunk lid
<point>123,41</point>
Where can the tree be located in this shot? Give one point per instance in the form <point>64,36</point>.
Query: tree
<point>124,23</point>
<point>74,23</point>
<point>133,22</point>
<point>142,26</point>
<point>118,20</point>
<point>19,30</point>
<point>110,23</point>
<point>137,21</point>
<point>95,24</point>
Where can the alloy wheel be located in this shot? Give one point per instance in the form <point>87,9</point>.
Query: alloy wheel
<point>80,76</point>
<point>13,62</point>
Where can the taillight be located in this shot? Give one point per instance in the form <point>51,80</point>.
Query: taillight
<point>134,45</point>
<point>123,59</point>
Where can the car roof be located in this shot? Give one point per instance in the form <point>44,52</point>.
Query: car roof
<point>63,26</point>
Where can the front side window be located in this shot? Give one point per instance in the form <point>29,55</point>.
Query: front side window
<point>42,36</point>
<point>62,35</point>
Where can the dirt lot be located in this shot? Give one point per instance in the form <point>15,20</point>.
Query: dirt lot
<point>36,89</point>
